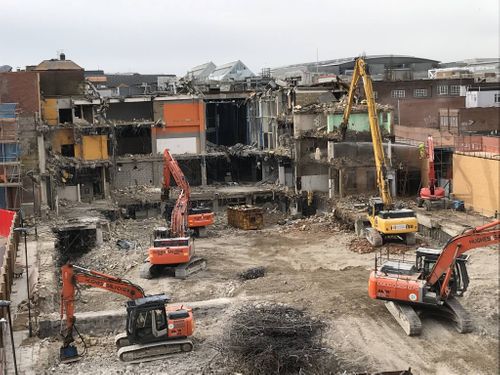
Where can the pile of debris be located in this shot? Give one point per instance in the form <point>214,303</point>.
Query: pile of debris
<point>252,273</point>
<point>362,246</point>
<point>276,339</point>
<point>326,222</point>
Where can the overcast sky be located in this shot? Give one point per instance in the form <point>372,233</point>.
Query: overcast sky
<point>170,36</point>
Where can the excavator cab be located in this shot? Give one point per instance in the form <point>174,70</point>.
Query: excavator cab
<point>149,319</point>
<point>427,258</point>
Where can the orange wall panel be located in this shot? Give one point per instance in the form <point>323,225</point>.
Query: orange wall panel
<point>183,117</point>
<point>476,181</point>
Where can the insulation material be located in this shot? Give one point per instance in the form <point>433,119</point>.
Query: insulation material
<point>186,145</point>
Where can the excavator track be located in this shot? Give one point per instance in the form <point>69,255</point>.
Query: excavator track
<point>180,271</point>
<point>406,316</point>
<point>138,353</point>
<point>461,317</point>
<point>374,237</point>
<point>121,340</point>
<point>196,264</point>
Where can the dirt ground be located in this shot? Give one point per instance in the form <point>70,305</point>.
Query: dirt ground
<point>309,265</point>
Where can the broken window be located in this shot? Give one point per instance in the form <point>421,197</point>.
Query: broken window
<point>65,115</point>
<point>400,93</point>
<point>68,150</point>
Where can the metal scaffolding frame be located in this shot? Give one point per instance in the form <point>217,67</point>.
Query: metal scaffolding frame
<point>10,158</point>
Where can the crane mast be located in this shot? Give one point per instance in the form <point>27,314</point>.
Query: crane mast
<point>361,71</point>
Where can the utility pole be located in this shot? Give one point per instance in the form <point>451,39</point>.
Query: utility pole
<point>4,303</point>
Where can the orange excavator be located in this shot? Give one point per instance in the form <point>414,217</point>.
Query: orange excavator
<point>173,250</point>
<point>198,217</point>
<point>153,329</point>
<point>433,194</point>
<point>433,282</point>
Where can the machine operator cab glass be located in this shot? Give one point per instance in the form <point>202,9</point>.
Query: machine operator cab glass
<point>147,319</point>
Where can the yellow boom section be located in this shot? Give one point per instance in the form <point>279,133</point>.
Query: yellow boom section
<point>361,71</point>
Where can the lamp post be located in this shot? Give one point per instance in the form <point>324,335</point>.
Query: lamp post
<point>25,230</point>
<point>4,303</point>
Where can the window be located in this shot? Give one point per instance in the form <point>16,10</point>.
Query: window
<point>454,90</point>
<point>497,98</point>
<point>398,93</point>
<point>442,90</point>
<point>420,93</point>
<point>453,118</point>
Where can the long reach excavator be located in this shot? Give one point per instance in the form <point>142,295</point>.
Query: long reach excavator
<point>432,283</point>
<point>154,329</point>
<point>384,221</point>
<point>173,250</point>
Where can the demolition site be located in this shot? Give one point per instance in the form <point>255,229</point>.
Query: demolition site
<point>336,217</point>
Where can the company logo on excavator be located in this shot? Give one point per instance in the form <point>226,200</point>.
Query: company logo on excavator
<point>493,237</point>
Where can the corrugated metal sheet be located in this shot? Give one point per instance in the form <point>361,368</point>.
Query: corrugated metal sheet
<point>8,110</point>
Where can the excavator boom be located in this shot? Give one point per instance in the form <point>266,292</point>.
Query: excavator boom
<point>361,71</point>
<point>473,238</point>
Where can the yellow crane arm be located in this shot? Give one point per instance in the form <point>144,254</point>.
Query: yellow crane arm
<point>360,70</point>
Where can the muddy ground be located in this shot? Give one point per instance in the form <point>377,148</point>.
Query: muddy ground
<point>309,266</point>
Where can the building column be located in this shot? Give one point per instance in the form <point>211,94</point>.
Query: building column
<point>203,167</point>
<point>341,183</point>
<point>104,183</point>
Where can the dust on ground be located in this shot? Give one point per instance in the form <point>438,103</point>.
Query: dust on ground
<point>310,268</point>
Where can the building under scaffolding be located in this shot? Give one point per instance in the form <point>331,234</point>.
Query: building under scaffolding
<point>10,161</point>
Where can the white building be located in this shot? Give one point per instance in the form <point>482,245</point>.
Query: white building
<point>482,97</point>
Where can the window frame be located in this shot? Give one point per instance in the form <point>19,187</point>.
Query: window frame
<point>396,93</point>
<point>421,90</point>
<point>453,88</point>
<point>442,92</point>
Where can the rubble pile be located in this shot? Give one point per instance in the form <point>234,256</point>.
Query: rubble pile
<point>275,339</point>
<point>326,222</point>
<point>362,246</point>
<point>252,273</point>
<point>125,247</point>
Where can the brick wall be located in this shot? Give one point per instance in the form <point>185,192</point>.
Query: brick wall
<point>22,88</point>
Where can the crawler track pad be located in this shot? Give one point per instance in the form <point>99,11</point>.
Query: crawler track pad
<point>406,317</point>
<point>150,352</point>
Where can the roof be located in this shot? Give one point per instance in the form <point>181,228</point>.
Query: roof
<point>201,67</point>
<point>134,79</point>
<point>394,59</point>
<point>235,70</point>
<point>56,64</point>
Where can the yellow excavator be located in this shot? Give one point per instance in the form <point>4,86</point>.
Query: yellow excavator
<point>383,221</point>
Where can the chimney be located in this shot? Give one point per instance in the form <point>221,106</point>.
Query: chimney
<point>62,57</point>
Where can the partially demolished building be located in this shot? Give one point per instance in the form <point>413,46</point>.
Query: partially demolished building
<point>82,143</point>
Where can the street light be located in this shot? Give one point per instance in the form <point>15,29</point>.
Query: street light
<point>4,303</point>
<point>25,230</point>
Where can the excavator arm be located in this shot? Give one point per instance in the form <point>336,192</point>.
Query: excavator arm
<point>171,167</point>
<point>473,238</point>
<point>73,275</point>
<point>361,71</point>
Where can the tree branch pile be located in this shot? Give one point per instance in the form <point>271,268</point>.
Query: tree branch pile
<point>276,339</point>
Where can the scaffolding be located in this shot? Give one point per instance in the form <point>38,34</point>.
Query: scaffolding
<point>10,158</point>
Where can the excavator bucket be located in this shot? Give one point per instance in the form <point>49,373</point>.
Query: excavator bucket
<point>69,354</point>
